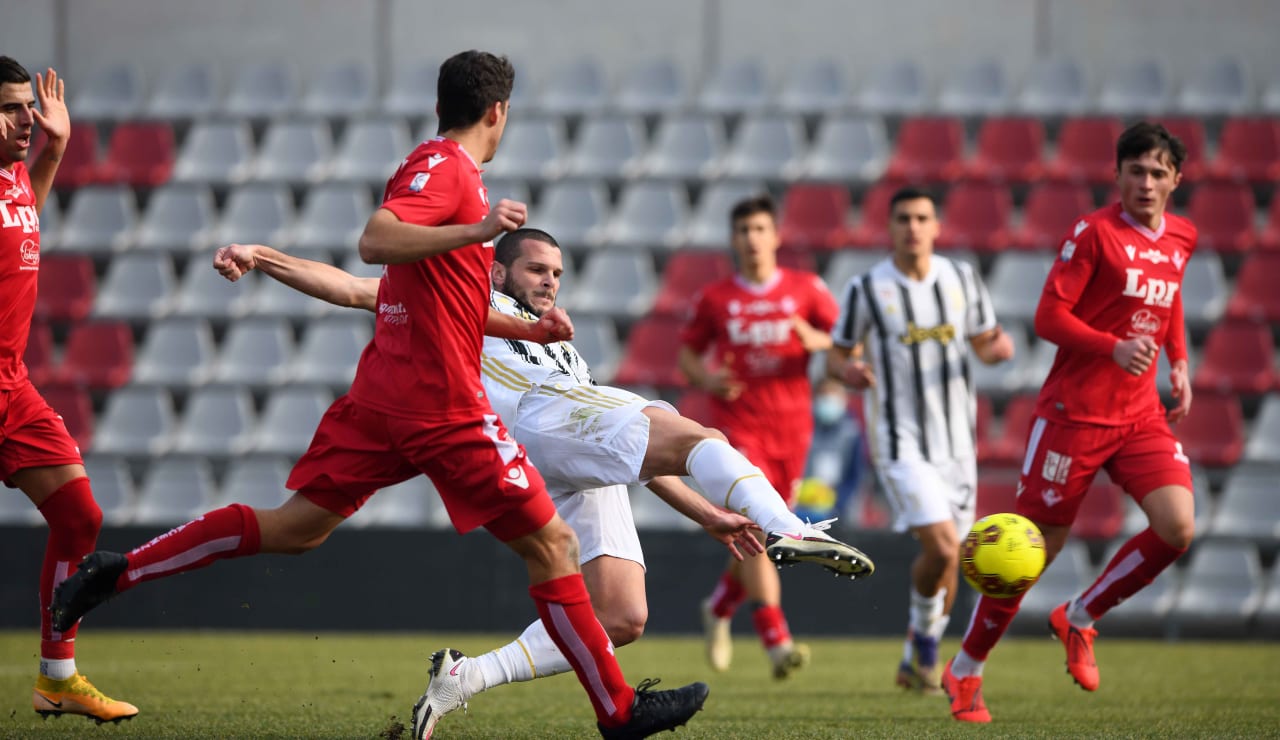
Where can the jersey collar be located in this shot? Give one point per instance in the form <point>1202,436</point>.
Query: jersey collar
<point>759,288</point>
<point>458,147</point>
<point>1152,235</point>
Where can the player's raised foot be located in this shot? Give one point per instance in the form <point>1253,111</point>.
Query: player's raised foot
<point>75,695</point>
<point>445,692</point>
<point>812,544</point>
<point>655,711</point>
<point>966,696</point>
<point>719,641</point>
<point>1079,644</point>
<point>787,659</point>
<point>923,679</point>
<point>93,583</point>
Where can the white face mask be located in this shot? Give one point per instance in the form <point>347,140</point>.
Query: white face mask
<point>828,409</point>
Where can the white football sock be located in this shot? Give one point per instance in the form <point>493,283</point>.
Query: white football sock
<point>729,480</point>
<point>1078,615</point>
<point>964,665</point>
<point>940,626</point>
<point>58,669</point>
<point>532,655</point>
<point>926,611</point>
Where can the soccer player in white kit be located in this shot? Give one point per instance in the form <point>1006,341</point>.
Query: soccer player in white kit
<point>904,336</point>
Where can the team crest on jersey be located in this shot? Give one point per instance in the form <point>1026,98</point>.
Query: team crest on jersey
<point>1154,256</point>
<point>29,251</point>
<point>419,182</point>
<point>1068,249</point>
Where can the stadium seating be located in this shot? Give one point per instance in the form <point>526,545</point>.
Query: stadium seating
<point>814,86</point>
<point>845,265</point>
<point>113,487</point>
<point>1086,151</point>
<point>75,406</point>
<point>1264,441</point>
<point>899,87</point>
<point>110,93</point>
<point>332,219</point>
<point>976,215</point>
<point>615,283</point>
<point>1238,359</point>
<point>176,490</point>
<point>1204,290</point>
<point>765,147</point>
<point>1144,613</point>
<point>928,150</point>
<point>289,420</point>
<point>1015,283</point>
<point>1055,86</point>
<point>686,273</point>
<point>101,219</point>
<point>1256,297</point>
<point>1061,581</point>
<point>139,421</point>
<point>176,353</point>
<point>412,89</point>
<point>215,152</point>
<point>596,339</point>
<point>1248,507</point>
<point>576,88</point>
<point>330,350</point>
<point>1224,215</point>
<point>872,228</point>
<point>650,215</point>
<point>255,481</point>
<point>607,147</point>
<point>217,423</point>
<point>685,146</point>
<point>847,147</point>
<point>1135,520</point>
<point>1008,150</point>
<point>255,353</point>
<point>649,357</point>
<point>137,287</point>
<point>734,88</point>
<point>1006,378</point>
<point>1190,131</point>
<point>261,90</point>
<point>532,148</point>
<point>179,219</point>
<point>50,222</point>
<point>1009,448</point>
<point>185,92</point>
<point>257,213</point>
<point>977,89</point>
<point>1101,515</point>
<point>39,356</point>
<point>1221,590</point>
<point>1140,87</point>
<point>294,152</point>
<point>139,154</point>
<point>997,490</point>
<point>652,86</point>
<point>370,151</point>
<point>1268,615</point>
<point>813,216</point>
<point>1248,151</point>
<point>67,287</point>
<point>80,159</point>
<point>274,299</point>
<point>1216,87</point>
<point>709,225</point>
<point>1268,237</point>
<point>1050,209</point>
<point>339,89</point>
<point>409,504</point>
<point>1214,434</point>
<point>573,211</point>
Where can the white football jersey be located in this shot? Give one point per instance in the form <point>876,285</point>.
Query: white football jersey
<point>914,336</point>
<point>510,368</point>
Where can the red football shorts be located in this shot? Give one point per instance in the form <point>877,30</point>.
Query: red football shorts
<point>784,469</point>
<point>1062,460</point>
<point>32,435</point>
<point>482,475</point>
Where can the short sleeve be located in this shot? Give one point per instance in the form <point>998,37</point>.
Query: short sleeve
<point>424,195</point>
<point>851,321</point>
<point>980,315</point>
<point>823,310</point>
<point>699,330</point>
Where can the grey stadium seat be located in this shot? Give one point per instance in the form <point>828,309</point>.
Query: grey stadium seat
<point>1006,378</point>
<point>16,510</point>
<point>505,188</point>
<point>370,151</point>
<point>1204,290</point>
<point>206,294</point>
<point>413,503</point>
<point>737,87</point>
<point>532,148</point>
<point>332,219</point>
<point>685,146</point>
<point>652,513</point>
<point>101,219</point>
<point>980,88</point>
<point>897,88</point>
<point>256,481</point>
<point>1140,87</point>
<point>113,488</point>
<point>1055,86</point>
<point>1248,507</point>
<point>576,88</point>
<point>1264,439</point>
<point>844,265</point>
<point>263,90</point>
<point>339,89</point>
<point>766,147</point>
<point>1219,86</point>
<point>272,298</point>
<point>607,148</point>
<point>176,490</point>
<point>215,152</point>
<point>848,148</point>
<point>188,91</point>
<point>294,152</point>
<point>179,218</point>
<point>176,353</point>
<point>259,214</point>
<point>814,86</point>
<point>574,212</point>
<point>138,421</point>
<point>137,287</point>
<point>616,283</point>
<point>112,92</point>
<point>1268,617</point>
<point>649,214</point>
<point>51,222</point>
<point>255,353</point>
<point>1135,520</point>
<point>218,421</point>
<point>1221,590</point>
<point>652,86</point>
<point>412,91</point>
<point>1062,580</point>
<point>1145,614</point>
<point>330,350</point>
<point>709,225</point>
<point>290,419</point>
<point>1016,282</point>
<point>596,339</point>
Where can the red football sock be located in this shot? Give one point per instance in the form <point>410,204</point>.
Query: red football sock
<point>1134,566</point>
<point>74,520</point>
<point>565,608</point>
<point>728,596</point>
<point>229,532</point>
<point>771,625</point>
<point>991,617</point>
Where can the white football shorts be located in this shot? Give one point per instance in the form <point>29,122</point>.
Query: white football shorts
<point>601,517</point>
<point>584,436</point>
<point>923,492</point>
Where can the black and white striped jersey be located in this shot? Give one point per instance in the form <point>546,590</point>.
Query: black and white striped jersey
<point>913,334</point>
<point>511,368</point>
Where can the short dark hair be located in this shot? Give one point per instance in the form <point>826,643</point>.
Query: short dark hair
<point>11,71</point>
<point>469,83</point>
<point>1143,137</point>
<point>507,248</point>
<point>910,192</point>
<point>751,206</point>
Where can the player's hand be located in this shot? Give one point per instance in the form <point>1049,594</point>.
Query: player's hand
<point>858,375</point>
<point>813,340</point>
<point>4,128</point>
<point>1178,377</point>
<point>234,260</point>
<point>722,384</point>
<point>553,326</point>
<point>1135,355</point>
<point>52,116</point>
<point>735,532</point>
<point>507,215</point>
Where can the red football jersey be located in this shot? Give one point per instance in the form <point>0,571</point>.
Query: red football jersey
<point>19,271</point>
<point>424,360</point>
<point>1119,280</point>
<point>749,329</point>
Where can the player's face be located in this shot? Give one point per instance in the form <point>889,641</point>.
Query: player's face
<point>500,126</point>
<point>755,244</point>
<point>534,277</point>
<point>1145,185</point>
<point>913,227</point>
<point>16,102</point>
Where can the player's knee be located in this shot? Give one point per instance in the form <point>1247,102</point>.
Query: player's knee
<point>716,434</point>
<point>1176,533</point>
<point>625,626</point>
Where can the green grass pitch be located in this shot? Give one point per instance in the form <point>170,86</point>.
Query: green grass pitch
<point>329,685</point>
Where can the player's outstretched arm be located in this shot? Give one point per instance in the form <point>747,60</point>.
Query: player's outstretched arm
<point>56,123</point>
<point>389,241</point>
<point>720,383</point>
<point>553,326</point>
<point>316,279</point>
<point>734,531</point>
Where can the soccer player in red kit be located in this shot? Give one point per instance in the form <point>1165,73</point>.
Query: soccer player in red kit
<point>1111,302</point>
<point>760,327</point>
<point>417,406</point>
<point>37,455</point>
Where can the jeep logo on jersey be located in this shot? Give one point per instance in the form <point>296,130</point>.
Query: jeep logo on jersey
<point>1154,291</point>
<point>30,253</point>
<point>759,333</point>
<point>942,333</point>
<point>1144,322</point>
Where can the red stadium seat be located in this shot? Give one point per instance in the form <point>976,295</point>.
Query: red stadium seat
<point>1086,151</point>
<point>1190,131</point>
<point>1270,236</point>
<point>696,405</point>
<point>976,215</point>
<point>1256,297</point>
<point>983,424</point>
<point>1051,209</point>
<point>1101,514</point>
<point>139,153</point>
<point>872,229</point>
<point>1009,150</point>
<point>67,287</point>
<point>80,161</point>
<point>1238,359</point>
<point>794,259</point>
<point>997,491</point>
<point>99,355</point>
<point>813,216</point>
<point>39,356</point>
<point>928,150</point>
<point>1213,433</point>
<point>1010,447</point>
<point>650,355</point>
<point>76,408</point>
<point>686,273</point>
<point>1249,150</point>
<point>1224,214</point>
